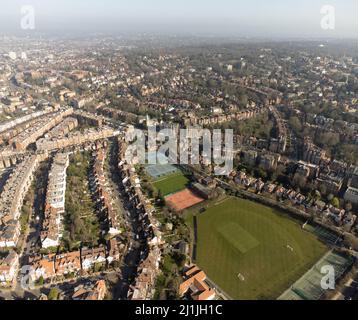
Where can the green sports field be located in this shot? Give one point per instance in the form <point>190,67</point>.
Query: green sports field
<point>171,184</point>
<point>240,237</point>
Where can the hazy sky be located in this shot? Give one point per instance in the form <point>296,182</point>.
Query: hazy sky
<point>292,18</point>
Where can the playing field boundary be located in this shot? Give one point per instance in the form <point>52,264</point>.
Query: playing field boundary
<point>220,291</point>
<point>296,290</point>
<point>287,292</point>
<point>171,175</point>
<point>197,248</point>
<point>291,211</point>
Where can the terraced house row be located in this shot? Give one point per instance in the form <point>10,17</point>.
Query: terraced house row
<point>9,266</point>
<point>119,115</point>
<point>11,128</point>
<point>55,202</point>
<point>102,194</point>
<point>146,210</point>
<point>148,269</point>
<point>73,263</point>
<point>95,292</point>
<point>38,128</point>
<point>84,117</point>
<point>12,198</point>
<point>340,217</point>
<point>64,127</point>
<point>222,118</point>
<point>75,138</point>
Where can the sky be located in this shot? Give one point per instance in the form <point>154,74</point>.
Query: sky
<point>244,18</point>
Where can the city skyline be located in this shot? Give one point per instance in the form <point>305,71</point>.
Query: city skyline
<point>163,153</point>
<point>226,18</point>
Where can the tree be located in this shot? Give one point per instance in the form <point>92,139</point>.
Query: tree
<point>160,199</point>
<point>53,294</point>
<point>260,173</point>
<point>98,267</point>
<point>295,124</point>
<point>335,202</point>
<point>327,139</point>
<point>348,206</point>
<point>317,195</point>
<point>243,100</point>
<point>299,181</point>
<point>323,189</point>
<point>179,259</point>
<point>40,281</point>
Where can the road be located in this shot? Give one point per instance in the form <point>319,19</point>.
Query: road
<point>137,243</point>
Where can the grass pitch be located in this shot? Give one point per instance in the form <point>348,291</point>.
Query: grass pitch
<point>240,239</point>
<point>171,184</point>
<point>244,243</point>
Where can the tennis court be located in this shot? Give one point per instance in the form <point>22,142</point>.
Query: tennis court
<point>161,169</point>
<point>158,171</point>
<point>183,200</point>
<point>309,286</point>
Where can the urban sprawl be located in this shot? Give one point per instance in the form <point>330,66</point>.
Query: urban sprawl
<point>78,221</point>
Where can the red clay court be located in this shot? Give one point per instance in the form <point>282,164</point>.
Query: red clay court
<point>183,200</point>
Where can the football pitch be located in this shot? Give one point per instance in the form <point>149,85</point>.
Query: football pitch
<point>171,184</point>
<point>252,251</point>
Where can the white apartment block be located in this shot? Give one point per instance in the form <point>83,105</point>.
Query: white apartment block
<point>55,201</point>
